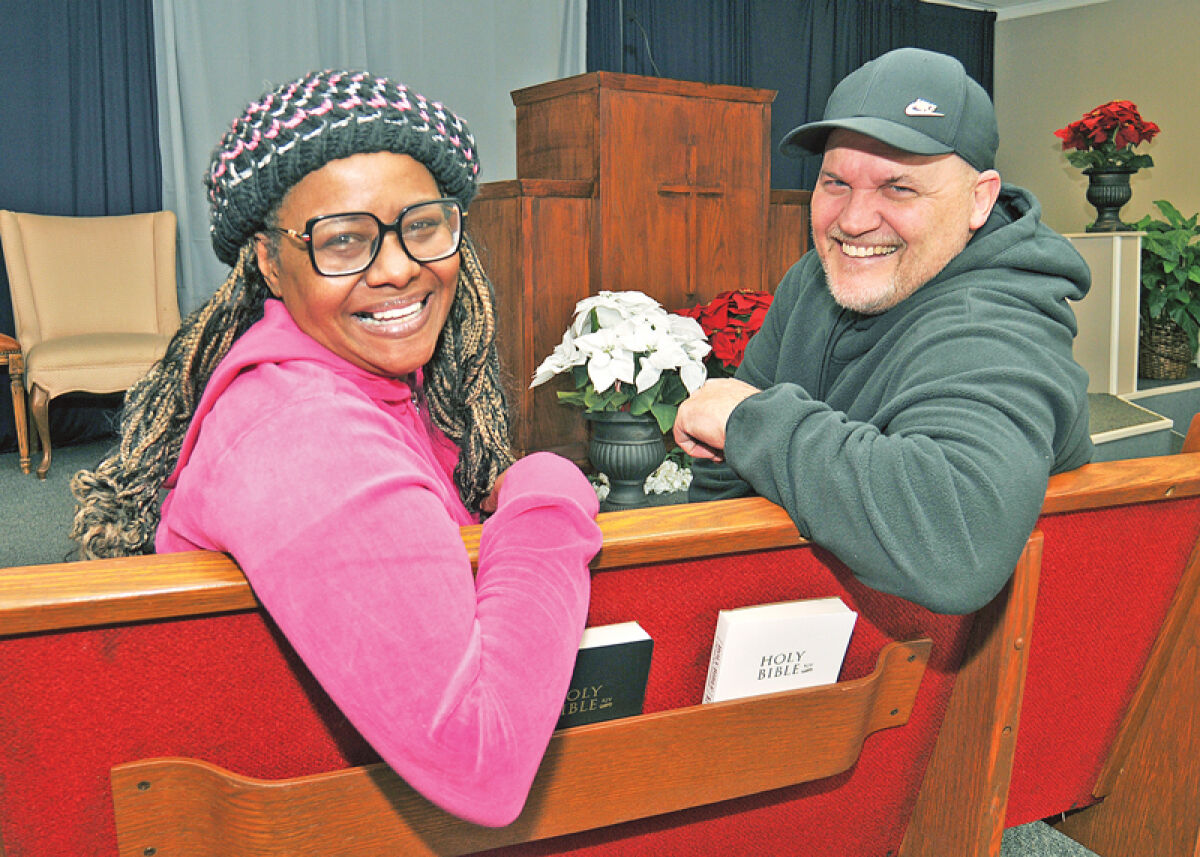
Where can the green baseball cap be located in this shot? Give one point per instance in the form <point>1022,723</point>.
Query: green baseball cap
<point>913,100</point>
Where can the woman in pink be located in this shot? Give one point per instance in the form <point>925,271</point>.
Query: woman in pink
<point>332,417</point>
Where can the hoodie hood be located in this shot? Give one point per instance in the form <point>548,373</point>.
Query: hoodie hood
<point>1016,242</point>
<point>273,335</point>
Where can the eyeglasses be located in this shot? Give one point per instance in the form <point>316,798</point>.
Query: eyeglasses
<point>342,244</point>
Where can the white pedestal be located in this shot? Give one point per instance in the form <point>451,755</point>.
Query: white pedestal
<point>1107,342</point>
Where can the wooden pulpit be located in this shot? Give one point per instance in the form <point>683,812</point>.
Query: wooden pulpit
<point>626,182</point>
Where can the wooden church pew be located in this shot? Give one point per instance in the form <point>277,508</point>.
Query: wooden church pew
<point>168,656</point>
<point>1109,741</point>
<point>111,665</point>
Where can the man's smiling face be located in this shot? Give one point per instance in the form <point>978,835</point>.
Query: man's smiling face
<point>885,222</point>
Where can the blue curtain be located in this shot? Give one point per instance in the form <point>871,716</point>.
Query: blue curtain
<point>78,136</point>
<point>801,49</point>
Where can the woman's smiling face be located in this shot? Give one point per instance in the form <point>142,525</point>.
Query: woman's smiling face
<point>386,319</point>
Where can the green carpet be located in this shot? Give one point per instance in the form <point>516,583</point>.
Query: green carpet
<point>1109,413</point>
<point>38,512</point>
<point>1041,840</point>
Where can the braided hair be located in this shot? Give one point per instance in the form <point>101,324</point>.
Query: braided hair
<point>464,388</point>
<point>117,503</point>
<point>287,134</point>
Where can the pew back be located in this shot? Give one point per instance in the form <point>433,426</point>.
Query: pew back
<point>1103,600</point>
<point>1113,687</point>
<point>118,661</point>
<point>166,656</point>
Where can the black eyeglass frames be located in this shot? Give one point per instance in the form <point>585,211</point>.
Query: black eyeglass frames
<point>343,244</point>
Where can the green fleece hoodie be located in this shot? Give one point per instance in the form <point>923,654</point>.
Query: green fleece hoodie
<point>916,444</point>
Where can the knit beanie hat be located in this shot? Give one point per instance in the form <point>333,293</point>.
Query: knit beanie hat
<point>321,117</point>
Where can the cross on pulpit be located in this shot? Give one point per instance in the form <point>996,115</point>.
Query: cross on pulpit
<point>693,192</point>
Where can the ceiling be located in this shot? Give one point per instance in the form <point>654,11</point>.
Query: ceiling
<point>1005,9</point>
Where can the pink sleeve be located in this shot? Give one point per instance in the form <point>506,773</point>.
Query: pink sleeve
<point>456,682</point>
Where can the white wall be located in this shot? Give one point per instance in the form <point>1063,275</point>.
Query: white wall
<point>1052,68</point>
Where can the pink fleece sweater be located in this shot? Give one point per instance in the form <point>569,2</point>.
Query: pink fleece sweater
<point>334,495</point>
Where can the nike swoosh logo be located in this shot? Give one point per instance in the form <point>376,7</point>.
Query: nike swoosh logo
<point>921,107</point>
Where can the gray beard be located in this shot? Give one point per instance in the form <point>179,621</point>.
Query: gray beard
<point>882,304</point>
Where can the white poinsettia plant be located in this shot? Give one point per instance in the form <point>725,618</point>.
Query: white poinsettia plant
<point>626,353</point>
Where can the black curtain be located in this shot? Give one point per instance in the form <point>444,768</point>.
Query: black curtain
<point>78,136</point>
<point>800,48</point>
<point>696,40</point>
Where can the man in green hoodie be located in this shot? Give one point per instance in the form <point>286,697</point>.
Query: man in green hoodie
<point>913,387</point>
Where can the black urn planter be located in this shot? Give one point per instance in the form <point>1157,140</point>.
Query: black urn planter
<point>1108,189</point>
<point>625,448</point>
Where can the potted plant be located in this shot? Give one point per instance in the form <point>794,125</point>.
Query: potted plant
<point>1101,144</point>
<point>1170,295</point>
<point>729,321</point>
<point>632,364</point>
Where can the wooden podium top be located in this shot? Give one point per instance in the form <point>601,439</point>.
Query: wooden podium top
<point>626,182</point>
<point>638,83</point>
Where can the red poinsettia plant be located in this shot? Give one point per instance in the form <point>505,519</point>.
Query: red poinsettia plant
<point>1105,137</point>
<point>729,320</point>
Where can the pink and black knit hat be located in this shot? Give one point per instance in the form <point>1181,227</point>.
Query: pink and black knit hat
<point>303,125</point>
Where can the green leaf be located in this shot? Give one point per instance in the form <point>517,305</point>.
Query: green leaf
<point>674,390</point>
<point>1171,212</point>
<point>1190,327</point>
<point>643,400</point>
<point>1170,264</point>
<point>665,414</point>
<point>612,399</point>
<point>572,397</point>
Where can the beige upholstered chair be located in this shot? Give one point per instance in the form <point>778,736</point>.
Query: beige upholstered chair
<point>94,302</point>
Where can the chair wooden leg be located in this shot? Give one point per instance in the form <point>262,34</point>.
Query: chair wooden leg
<point>39,409</point>
<point>16,373</point>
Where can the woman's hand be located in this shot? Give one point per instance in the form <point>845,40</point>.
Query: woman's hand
<point>492,501</point>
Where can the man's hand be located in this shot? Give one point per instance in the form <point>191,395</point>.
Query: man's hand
<point>700,423</point>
